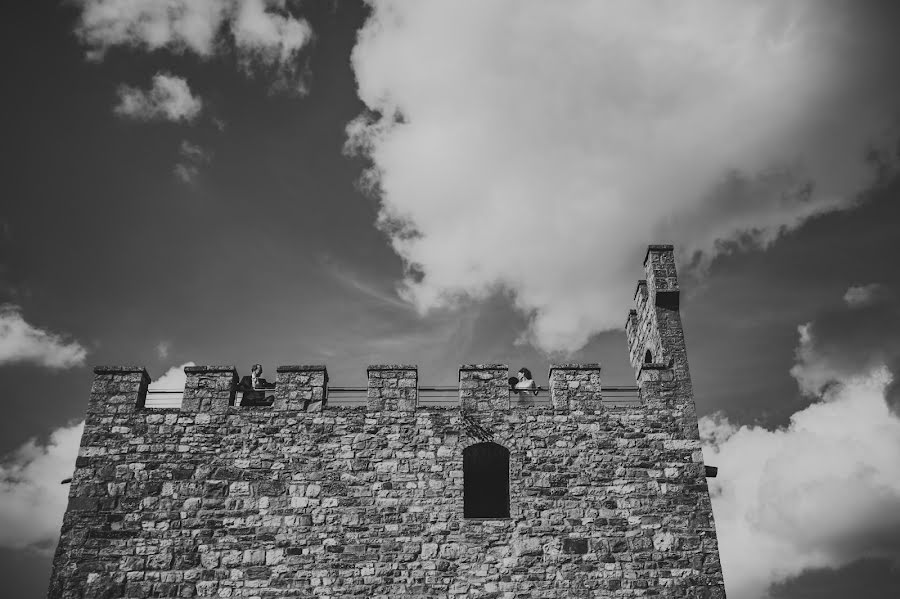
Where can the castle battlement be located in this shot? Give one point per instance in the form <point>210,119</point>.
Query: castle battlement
<point>487,497</point>
<point>391,387</point>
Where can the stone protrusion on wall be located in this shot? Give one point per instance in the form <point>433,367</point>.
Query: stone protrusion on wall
<point>392,387</point>
<point>483,387</point>
<point>118,390</point>
<point>301,387</point>
<point>631,334</point>
<point>575,387</point>
<point>209,388</point>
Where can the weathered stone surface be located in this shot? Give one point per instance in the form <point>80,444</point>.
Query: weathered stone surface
<point>346,501</point>
<point>575,387</point>
<point>118,389</point>
<point>656,345</point>
<point>301,387</point>
<point>392,387</point>
<point>483,387</point>
<point>209,388</point>
<point>218,501</point>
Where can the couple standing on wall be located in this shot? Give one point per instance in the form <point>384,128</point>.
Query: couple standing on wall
<point>253,387</point>
<point>521,383</point>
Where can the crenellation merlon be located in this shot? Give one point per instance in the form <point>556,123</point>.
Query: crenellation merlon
<point>209,388</point>
<point>392,387</point>
<point>209,369</point>
<point>301,388</point>
<point>576,387</point>
<point>662,276</point>
<point>302,368</point>
<point>118,370</point>
<point>118,389</point>
<point>483,387</point>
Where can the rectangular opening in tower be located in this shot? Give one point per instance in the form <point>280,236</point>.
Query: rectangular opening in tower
<point>486,481</point>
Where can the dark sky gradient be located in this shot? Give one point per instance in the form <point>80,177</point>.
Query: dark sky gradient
<point>271,255</point>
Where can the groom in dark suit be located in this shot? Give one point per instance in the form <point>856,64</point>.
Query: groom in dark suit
<point>253,386</point>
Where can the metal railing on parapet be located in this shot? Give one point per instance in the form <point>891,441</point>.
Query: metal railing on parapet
<point>446,396</point>
<point>621,396</point>
<point>162,399</point>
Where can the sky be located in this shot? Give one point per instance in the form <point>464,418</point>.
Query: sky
<point>349,183</point>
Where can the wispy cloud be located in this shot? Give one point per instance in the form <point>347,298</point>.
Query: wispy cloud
<point>264,33</point>
<point>518,145</point>
<point>162,349</point>
<point>360,284</point>
<point>861,295</point>
<point>271,41</point>
<point>192,158</point>
<point>169,99</point>
<point>21,342</point>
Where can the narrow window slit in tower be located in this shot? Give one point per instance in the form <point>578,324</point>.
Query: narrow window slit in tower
<point>648,357</point>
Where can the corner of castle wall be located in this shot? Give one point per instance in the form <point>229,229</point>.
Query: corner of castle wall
<point>118,390</point>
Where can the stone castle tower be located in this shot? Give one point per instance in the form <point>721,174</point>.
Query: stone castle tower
<point>575,498</point>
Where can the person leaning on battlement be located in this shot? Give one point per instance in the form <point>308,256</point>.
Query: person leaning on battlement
<point>252,386</point>
<point>522,382</point>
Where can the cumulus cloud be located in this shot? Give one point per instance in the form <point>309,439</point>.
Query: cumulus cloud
<point>264,32</point>
<point>823,491</point>
<point>32,500</point>
<point>192,158</point>
<point>169,99</point>
<point>173,379</point>
<point>820,493</point>
<point>21,342</point>
<point>179,25</point>
<point>519,146</point>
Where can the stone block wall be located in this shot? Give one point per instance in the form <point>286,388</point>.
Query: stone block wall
<point>209,388</point>
<point>302,499</point>
<point>575,387</point>
<point>392,387</point>
<point>348,502</point>
<point>118,389</point>
<point>655,326</point>
<point>301,388</point>
<point>642,330</point>
<point>483,387</point>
